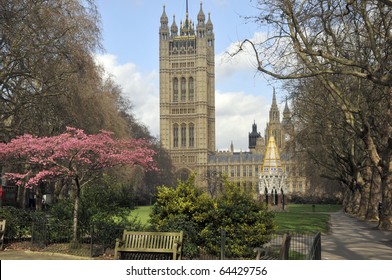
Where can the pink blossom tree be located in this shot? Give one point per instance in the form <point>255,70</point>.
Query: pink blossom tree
<point>72,155</point>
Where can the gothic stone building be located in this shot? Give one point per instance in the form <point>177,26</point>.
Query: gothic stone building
<point>187,91</point>
<point>187,112</point>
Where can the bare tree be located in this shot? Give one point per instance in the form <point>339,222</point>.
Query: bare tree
<point>338,42</point>
<point>45,53</point>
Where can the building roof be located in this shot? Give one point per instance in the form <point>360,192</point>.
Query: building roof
<point>226,157</point>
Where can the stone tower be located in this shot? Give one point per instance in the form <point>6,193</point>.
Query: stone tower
<point>187,91</point>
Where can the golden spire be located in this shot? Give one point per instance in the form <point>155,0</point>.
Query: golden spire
<point>271,163</point>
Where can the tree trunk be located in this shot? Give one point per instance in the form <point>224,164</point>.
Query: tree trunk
<point>346,199</point>
<point>38,198</point>
<point>375,196</point>
<point>364,202</point>
<point>355,201</point>
<point>386,186</point>
<point>76,211</point>
<point>364,182</point>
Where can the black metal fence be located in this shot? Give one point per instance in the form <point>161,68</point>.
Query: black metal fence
<point>302,246</point>
<point>47,235</point>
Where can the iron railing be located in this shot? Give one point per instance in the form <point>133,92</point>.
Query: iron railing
<point>98,239</point>
<point>56,236</point>
<point>300,246</point>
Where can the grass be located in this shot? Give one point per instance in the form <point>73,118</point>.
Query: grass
<point>301,218</point>
<point>302,222</point>
<point>143,213</point>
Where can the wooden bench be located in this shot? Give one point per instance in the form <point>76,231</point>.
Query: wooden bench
<point>149,245</point>
<point>267,252</point>
<point>2,232</point>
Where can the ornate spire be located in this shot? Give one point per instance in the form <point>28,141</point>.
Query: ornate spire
<point>174,28</point>
<point>187,27</point>
<point>209,22</point>
<point>164,18</point>
<point>286,111</point>
<point>271,164</point>
<point>274,114</point>
<point>201,16</point>
<point>274,98</point>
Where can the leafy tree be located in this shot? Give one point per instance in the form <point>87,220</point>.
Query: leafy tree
<point>247,223</point>
<point>72,155</point>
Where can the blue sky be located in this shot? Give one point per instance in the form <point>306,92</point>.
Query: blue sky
<point>131,57</point>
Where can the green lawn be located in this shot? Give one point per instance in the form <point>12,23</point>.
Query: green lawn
<point>143,213</point>
<point>302,222</point>
<point>301,218</point>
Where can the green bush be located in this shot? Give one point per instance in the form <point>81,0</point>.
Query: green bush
<point>247,223</point>
<point>18,222</point>
<point>184,208</point>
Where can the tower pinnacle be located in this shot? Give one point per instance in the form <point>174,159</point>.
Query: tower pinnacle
<point>274,98</point>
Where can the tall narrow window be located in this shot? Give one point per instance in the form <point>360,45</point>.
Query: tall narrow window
<point>183,135</point>
<point>191,135</point>
<point>175,136</point>
<point>183,89</point>
<point>191,89</point>
<point>175,90</point>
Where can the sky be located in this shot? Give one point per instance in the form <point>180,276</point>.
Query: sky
<point>131,57</point>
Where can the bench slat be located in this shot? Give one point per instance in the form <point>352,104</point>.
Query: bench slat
<point>150,242</point>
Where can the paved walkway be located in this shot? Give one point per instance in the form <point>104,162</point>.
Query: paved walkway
<point>32,255</point>
<point>353,239</point>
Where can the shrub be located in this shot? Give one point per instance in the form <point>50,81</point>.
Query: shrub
<point>185,208</point>
<point>247,223</point>
<point>18,222</point>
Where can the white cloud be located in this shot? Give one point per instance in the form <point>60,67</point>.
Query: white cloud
<point>235,114</point>
<point>237,110</point>
<point>140,88</point>
<point>227,65</point>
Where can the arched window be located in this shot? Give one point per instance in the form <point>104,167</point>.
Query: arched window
<point>175,136</point>
<point>191,89</point>
<point>191,135</point>
<point>183,135</point>
<point>183,89</point>
<point>175,90</point>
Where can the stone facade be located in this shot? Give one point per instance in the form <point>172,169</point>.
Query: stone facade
<point>246,167</point>
<point>187,91</point>
<point>187,113</point>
